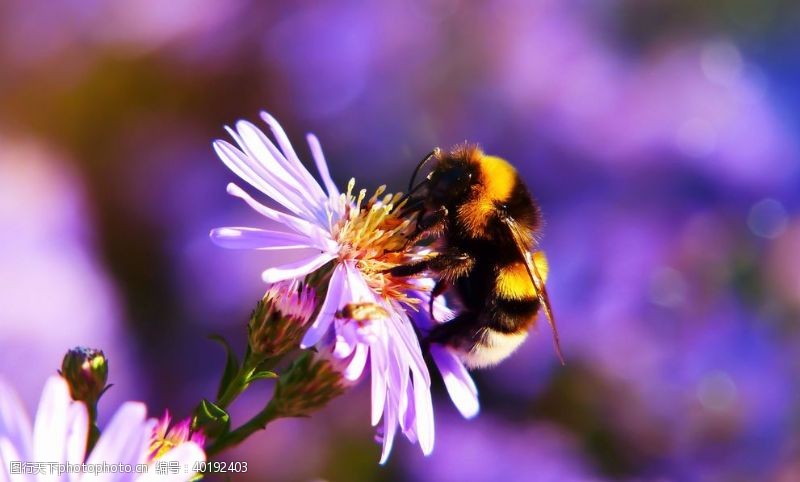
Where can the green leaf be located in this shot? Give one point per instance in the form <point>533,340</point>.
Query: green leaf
<point>231,365</point>
<point>211,419</point>
<point>262,375</point>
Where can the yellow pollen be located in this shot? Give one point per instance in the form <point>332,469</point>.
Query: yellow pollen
<point>160,447</point>
<point>376,238</point>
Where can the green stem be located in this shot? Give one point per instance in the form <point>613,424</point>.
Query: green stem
<point>94,431</point>
<point>252,363</point>
<point>258,422</point>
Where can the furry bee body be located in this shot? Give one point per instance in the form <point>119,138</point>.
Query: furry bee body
<point>485,221</point>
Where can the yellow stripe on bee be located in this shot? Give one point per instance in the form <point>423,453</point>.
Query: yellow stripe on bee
<point>542,266</point>
<point>498,176</point>
<point>498,179</point>
<point>514,282</point>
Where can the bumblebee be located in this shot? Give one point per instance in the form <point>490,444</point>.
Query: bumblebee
<point>478,211</point>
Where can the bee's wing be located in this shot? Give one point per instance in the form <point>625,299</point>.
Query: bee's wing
<point>520,241</point>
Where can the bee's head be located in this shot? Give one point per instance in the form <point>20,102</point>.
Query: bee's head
<point>450,182</point>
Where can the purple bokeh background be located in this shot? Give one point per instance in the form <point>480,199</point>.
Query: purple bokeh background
<point>661,139</point>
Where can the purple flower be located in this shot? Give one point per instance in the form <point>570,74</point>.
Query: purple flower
<point>355,239</point>
<point>59,434</point>
<point>459,384</point>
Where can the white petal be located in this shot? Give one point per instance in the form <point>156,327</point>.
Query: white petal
<point>265,152</point>
<point>336,287</point>
<point>408,421</point>
<point>279,172</point>
<point>459,384</point>
<point>250,171</point>
<point>187,454</point>
<point>254,238</point>
<point>317,236</point>
<point>399,327</point>
<point>346,339</point>
<point>406,404</point>
<point>357,363</point>
<point>359,290</point>
<point>77,434</point>
<point>389,429</point>
<point>295,269</point>
<point>322,166</point>
<point>15,426</point>
<point>423,407</point>
<point>378,375</point>
<point>50,428</point>
<point>125,439</point>
<point>294,163</point>
<point>10,453</point>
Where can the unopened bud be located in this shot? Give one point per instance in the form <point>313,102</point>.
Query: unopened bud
<point>279,320</point>
<point>309,384</point>
<point>86,372</point>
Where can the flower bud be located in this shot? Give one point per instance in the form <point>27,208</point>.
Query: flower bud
<point>309,384</point>
<point>279,320</point>
<point>86,372</point>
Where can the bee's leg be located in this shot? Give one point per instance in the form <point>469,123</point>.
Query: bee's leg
<point>440,287</point>
<point>429,225</point>
<point>462,332</point>
<point>450,263</point>
<point>411,269</point>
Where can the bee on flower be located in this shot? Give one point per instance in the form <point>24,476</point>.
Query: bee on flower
<point>345,244</point>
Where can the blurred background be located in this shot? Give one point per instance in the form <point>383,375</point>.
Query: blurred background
<point>660,137</point>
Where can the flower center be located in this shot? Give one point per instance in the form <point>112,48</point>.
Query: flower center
<point>376,238</point>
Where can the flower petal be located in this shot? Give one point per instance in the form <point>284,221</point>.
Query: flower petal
<point>15,425</point>
<point>317,236</point>
<point>50,428</point>
<point>294,163</point>
<point>378,366</point>
<point>187,454</point>
<point>295,183</point>
<point>358,361</point>
<point>408,420</point>
<point>336,288</point>
<point>399,328</point>
<point>389,429</point>
<point>247,168</point>
<point>269,159</point>
<point>254,238</point>
<point>346,339</point>
<point>459,384</point>
<point>295,269</point>
<point>322,165</point>
<point>125,438</point>
<point>423,405</point>
<point>77,434</point>
<point>10,453</point>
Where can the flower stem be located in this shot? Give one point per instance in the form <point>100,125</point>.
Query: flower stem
<point>253,363</point>
<point>258,422</point>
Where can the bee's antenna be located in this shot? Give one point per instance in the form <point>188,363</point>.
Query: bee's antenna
<point>411,187</point>
<point>431,155</point>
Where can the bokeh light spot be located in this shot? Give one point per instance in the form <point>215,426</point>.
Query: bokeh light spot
<point>767,218</point>
<point>717,391</point>
<point>721,62</point>
<point>668,288</point>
